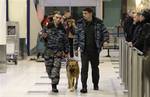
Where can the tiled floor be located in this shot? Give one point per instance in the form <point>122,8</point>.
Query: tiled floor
<point>29,79</point>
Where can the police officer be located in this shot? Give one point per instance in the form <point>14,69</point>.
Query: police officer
<point>57,46</point>
<point>89,36</point>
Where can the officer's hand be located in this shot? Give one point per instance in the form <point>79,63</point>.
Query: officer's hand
<point>65,55</point>
<point>130,44</point>
<point>44,35</point>
<point>76,53</point>
<point>40,33</point>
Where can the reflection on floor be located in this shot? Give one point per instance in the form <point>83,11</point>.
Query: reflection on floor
<point>29,79</point>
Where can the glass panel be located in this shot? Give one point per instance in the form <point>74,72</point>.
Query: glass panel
<point>49,10</point>
<point>77,11</point>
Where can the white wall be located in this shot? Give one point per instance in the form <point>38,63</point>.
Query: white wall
<point>56,2</point>
<point>2,22</point>
<point>35,25</point>
<point>99,9</point>
<point>70,2</point>
<point>97,3</point>
<point>17,12</point>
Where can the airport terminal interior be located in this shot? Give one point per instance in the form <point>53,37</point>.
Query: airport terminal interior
<point>124,58</point>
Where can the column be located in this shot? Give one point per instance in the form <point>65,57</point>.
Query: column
<point>2,36</point>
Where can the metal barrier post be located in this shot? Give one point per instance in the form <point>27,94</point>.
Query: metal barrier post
<point>120,57</point>
<point>139,73</point>
<point>129,71</point>
<point>134,74</point>
<point>146,87</point>
<point>123,62</point>
<point>126,66</point>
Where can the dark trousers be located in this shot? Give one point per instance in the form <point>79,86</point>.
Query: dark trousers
<point>40,54</point>
<point>71,47</point>
<point>93,58</point>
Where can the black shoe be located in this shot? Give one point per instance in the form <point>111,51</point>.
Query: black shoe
<point>54,88</point>
<point>96,87</point>
<point>83,90</point>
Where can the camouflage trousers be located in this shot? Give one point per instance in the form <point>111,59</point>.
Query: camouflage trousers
<point>53,66</point>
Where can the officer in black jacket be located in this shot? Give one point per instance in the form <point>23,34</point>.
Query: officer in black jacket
<point>90,35</point>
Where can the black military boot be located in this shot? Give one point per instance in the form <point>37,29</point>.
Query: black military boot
<point>54,88</point>
<point>96,87</point>
<point>84,88</point>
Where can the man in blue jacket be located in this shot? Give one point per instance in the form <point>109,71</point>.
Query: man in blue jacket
<point>89,37</point>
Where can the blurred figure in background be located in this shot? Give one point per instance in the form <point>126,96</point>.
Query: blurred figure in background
<point>136,27</point>
<point>66,15</point>
<point>69,24</point>
<point>70,30</point>
<point>146,49</point>
<point>45,21</point>
<point>128,22</point>
<point>40,47</point>
<point>144,19</point>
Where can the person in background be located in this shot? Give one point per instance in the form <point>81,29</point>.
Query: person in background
<point>66,15</point>
<point>144,19</point>
<point>45,21</point>
<point>40,47</point>
<point>128,22</point>
<point>70,30</point>
<point>69,24</point>
<point>136,27</point>
<point>57,47</point>
<point>90,35</point>
<point>146,49</point>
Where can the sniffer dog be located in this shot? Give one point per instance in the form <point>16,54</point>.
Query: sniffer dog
<point>72,69</point>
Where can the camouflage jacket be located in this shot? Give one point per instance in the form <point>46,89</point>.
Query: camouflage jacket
<point>101,34</point>
<point>56,39</point>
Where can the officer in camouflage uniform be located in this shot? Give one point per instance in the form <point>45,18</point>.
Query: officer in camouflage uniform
<point>57,46</point>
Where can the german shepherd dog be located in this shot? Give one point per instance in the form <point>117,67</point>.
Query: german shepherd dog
<point>72,69</point>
